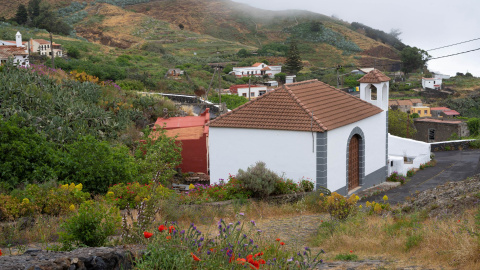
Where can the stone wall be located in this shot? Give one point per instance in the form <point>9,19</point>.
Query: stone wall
<point>450,145</point>
<point>101,258</point>
<point>443,130</point>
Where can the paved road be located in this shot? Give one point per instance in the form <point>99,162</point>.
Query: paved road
<point>451,166</point>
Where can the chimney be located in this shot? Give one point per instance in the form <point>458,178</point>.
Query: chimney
<point>18,38</point>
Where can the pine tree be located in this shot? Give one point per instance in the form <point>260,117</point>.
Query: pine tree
<point>293,64</point>
<point>22,16</point>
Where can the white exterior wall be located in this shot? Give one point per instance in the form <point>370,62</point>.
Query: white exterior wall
<point>430,83</point>
<point>21,61</point>
<point>337,142</point>
<point>255,90</point>
<point>284,152</point>
<point>256,71</point>
<point>417,153</point>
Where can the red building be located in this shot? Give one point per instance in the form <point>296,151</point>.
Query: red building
<point>192,132</point>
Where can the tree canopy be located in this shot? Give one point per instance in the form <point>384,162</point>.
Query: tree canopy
<point>293,64</point>
<point>413,58</point>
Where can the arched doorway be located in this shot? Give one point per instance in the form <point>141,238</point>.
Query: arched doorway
<point>354,162</point>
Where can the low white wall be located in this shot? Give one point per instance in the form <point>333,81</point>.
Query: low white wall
<point>417,153</point>
<point>284,152</point>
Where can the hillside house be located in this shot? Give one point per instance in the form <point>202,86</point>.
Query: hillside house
<point>244,90</point>
<point>439,130</point>
<point>44,47</point>
<point>192,132</point>
<point>308,130</point>
<point>442,112</point>
<point>174,72</point>
<point>17,52</point>
<point>361,71</point>
<point>432,83</point>
<point>257,70</point>
<point>422,111</point>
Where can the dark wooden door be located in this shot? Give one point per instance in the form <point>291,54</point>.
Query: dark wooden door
<point>354,163</point>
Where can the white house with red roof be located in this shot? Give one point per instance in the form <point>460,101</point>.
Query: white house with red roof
<point>432,83</point>
<point>245,90</point>
<point>44,47</point>
<point>257,70</point>
<point>16,51</point>
<point>308,130</point>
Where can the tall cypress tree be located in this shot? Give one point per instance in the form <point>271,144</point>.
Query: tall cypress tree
<point>22,16</point>
<point>293,64</point>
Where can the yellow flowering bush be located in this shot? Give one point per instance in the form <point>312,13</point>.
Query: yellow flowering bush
<point>53,200</point>
<point>132,194</point>
<point>12,207</point>
<point>378,208</point>
<point>338,206</point>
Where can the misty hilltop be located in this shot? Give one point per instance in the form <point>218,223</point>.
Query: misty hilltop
<point>210,27</point>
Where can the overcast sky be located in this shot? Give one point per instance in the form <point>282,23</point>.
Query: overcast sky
<point>426,24</point>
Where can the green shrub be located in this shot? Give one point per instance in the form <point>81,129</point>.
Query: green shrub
<point>129,84</point>
<point>410,172</point>
<point>12,207</point>
<point>90,226</point>
<point>475,144</point>
<point>258,179</point>
<point>473,125</point>
<point>306,185</point>
<point>97,165</point>
<point>285,187</point>
<point>338,206</point>
<point>346,257</point>
<point>26,157</point>
<point>396,177</point>
<point>413,240</point>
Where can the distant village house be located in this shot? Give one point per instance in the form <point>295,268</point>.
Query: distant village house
<point>16,51</point>
<point>252,91</point>
<point>257,70</point>
<point>44,47</point>
<point>432,83</point>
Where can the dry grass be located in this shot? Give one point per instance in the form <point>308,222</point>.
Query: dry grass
<point>444,243</point>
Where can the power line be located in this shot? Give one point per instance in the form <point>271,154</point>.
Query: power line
<point>454,44</point>
<point>454,54</point>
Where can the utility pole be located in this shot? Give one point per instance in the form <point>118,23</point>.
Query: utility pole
<point>219,87</point>
<point>249,89</point>
<point>408,123</point>
<point>51,50</point>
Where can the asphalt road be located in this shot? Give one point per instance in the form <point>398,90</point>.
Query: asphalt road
<point>452,166</point>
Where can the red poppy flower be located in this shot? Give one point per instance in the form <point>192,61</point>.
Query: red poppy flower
<point>147,234</point>
<point>169,237</point>
<point>241,260</point>
<point>249,257</point>
<point>351,251</point>
<point>195,257</point>
<point>282,243</point>
<point>172,228</point>
<point>162,228</point>
<point>258,254</point>
<point>231,258</point>
<point>278,239</point>
<point>262,261</point>
<point>0,252</point>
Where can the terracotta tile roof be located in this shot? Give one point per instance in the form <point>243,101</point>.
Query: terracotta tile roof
<point>256,64</point>
<point>374,76</point>
<point>10,51</point>
<point>430,120</point>
<point>416,100</point>
<point>439,109</point>
<point>303,106</point>
<point>405,102</point>
<point>266,68</point>
<point>42,41</point>
<point>393,102</point>
<point>451,112</point>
